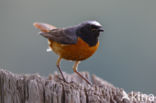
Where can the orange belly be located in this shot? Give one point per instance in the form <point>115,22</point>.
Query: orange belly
<point>76,52</point>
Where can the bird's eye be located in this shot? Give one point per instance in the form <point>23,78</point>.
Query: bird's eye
<point>93,28</point>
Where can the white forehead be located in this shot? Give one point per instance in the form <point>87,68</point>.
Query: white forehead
<point>95,23</point>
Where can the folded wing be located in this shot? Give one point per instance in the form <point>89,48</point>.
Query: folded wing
<point>60,35</point>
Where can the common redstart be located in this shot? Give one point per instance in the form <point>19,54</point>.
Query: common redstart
<point>74,43</point>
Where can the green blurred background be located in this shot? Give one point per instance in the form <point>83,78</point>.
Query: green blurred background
<point>126,56</point>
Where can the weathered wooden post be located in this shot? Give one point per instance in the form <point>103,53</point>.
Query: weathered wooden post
<point>32,88</point>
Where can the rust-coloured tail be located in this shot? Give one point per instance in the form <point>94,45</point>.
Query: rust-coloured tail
<point>44,27</point>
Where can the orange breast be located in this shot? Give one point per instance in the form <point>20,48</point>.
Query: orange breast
<point>79,51</point>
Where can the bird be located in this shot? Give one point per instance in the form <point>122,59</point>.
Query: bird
<point>74,43</point>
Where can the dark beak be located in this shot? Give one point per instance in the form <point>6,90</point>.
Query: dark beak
<point>101,30</point>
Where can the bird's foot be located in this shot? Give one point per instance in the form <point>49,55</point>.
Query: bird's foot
<point>65,80</point>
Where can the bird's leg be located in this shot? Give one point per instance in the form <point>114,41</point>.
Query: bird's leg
<point>75,70</point>
<point>58,66</point>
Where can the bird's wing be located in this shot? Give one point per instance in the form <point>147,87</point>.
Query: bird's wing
<point>64,36</point>
<point>60,35</point>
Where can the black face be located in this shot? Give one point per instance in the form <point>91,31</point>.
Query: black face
<point>89,33</point>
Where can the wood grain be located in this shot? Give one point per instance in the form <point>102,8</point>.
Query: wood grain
<point>33,88</point>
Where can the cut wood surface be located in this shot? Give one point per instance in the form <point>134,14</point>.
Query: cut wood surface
<point>33,88</point>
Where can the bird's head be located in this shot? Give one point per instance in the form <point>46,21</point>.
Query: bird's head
<point>89,31</point>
